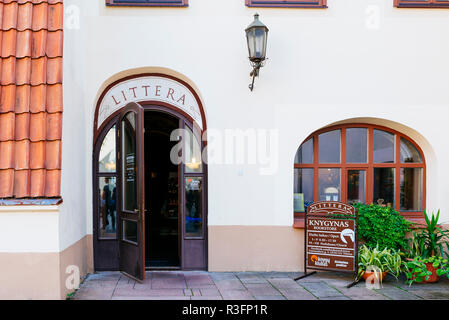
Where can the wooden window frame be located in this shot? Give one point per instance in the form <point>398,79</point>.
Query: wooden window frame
<point>319,4</point>
<point>421,4</point>
<point>415,216</point>
<point>137,3</point>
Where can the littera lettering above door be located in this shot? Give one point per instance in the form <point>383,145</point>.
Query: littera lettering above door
<point>150,88</point>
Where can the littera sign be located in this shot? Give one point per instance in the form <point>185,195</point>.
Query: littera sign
<point>149,88</point>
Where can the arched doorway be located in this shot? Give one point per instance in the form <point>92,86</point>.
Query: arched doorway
<point>150,181</point>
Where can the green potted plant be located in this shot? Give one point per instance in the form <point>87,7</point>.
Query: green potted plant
<point>426,270</point>
<point>426,263</point>
<point>378,263</point>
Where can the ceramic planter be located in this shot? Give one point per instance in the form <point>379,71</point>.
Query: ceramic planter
<point>368,274</point>
<point>434,277</point>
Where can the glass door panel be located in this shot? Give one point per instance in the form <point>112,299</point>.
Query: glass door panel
<point>193,207</point>
<point>129,163</point>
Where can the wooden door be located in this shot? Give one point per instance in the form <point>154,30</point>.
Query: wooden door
<point>131,193</point>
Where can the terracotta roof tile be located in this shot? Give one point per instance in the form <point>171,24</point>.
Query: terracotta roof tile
<point>23,71</point>
<point>8,98</point>
<point>24,43</point>
<point>9,39</point>
<point>1,14</point>
<point>7,126</point>
<point>54,126</point>
<point>53,155</point>
<point>24,17</point>
<point>39,44</point>
<point>38,71</point>
<point>54,98</point>
<point>52,183</point>
<point>38,124</point>
<point>37,183</point>
<point>54,44</point>
<point>8,71</point>
<point>10,15</point>
<point>37,155</point>
<point>22,155</point>
<point>23,94</point>
<point>22,126</point>
<point>31,102</point>
<point>40,16</point>
<point>6,183</point>
<point>7,152</point>
<point>54,70</point>
<point>38,98</point>
<point>55,17</point>
<point>22,184</point>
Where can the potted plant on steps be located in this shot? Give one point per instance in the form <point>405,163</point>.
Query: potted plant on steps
<point>376,263</point>
<point>426,263</point>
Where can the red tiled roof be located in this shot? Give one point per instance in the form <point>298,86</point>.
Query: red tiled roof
<point>31,44</point>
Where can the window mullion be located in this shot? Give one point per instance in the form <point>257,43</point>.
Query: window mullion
<point>397,173</point>
<point>316,189</point>
<point>343,170</point>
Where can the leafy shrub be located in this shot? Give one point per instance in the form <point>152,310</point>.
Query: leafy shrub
<point>383,227</point>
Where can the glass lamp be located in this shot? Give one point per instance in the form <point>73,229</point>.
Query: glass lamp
<point>256,35</point>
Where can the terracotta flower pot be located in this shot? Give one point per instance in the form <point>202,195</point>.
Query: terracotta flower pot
<point>368,274</point>
<point>434,277</point>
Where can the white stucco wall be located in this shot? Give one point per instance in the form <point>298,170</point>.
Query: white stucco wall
<point>29,229</point>
<point>356,59</point>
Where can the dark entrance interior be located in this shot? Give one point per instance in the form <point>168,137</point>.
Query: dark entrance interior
<point>162,222</point>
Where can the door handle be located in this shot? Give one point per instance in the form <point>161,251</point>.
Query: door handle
<point>136,210</point>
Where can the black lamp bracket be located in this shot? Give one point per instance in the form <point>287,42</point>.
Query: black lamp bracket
<point>256,69</point>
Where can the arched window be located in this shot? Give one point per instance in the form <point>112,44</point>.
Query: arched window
<point>360,163</point>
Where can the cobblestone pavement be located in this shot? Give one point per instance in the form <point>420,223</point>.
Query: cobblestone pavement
<point>164,285</point>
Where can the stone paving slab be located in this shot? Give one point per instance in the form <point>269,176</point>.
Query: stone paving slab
<point>210,292</point>
<point>397,294</point>
<point>321,289</point>
<point>276,297</point>
<point>148,292</point>
<point>262,289</point>
<point>150,298</point>
<point>165,285</point>
<point>297,294</point>
<point>207,298</point>
<point>236,295</point>
<point>433,295</point>
<point>85,293</point>
<point>283,283</point>
<point>230,284</point>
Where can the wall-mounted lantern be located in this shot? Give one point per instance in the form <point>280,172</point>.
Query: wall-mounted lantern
<point>256,35</point>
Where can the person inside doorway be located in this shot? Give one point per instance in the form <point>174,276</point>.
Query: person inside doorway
<point>108,205</point>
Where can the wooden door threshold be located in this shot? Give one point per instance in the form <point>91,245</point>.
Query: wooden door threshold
<point>162,268</point>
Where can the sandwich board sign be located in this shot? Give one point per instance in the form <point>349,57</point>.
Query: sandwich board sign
<point>331,237</point>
